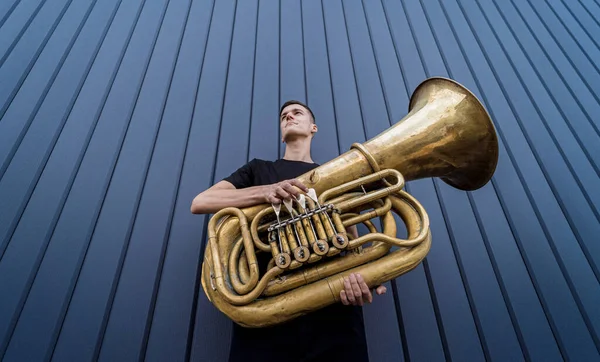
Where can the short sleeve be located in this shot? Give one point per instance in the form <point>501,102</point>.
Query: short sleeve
<point>243,177</point>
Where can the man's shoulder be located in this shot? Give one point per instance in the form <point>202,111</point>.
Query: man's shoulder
<point>259,162</point>
<point>262,164</point>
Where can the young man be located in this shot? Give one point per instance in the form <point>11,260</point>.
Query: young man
<point>335,333</point>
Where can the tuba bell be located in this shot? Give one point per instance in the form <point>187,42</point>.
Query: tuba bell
<point>447,134</point>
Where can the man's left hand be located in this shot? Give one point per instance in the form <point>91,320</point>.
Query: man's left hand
<point>356,291</point>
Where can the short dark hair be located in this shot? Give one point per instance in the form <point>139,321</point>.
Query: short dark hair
<point>293,101</point>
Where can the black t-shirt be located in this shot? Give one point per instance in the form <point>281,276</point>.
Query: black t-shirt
<point>334,333</point>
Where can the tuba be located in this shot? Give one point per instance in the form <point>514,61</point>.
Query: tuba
<point>447,134</point>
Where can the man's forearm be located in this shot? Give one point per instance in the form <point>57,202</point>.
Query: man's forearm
<point>212,201</point>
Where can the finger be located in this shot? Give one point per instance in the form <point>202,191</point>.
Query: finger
<point>299,184</point>
<point>381,290</point>
<point>282,194</point>
<point>348,291</point>
<point>344,298</point>
<point>366,293</point>
<point>356,289</point>
<point>290,189</point>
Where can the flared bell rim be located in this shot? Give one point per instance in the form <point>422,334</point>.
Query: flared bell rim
<point>460,180</point>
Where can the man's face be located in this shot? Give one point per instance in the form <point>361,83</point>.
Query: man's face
<point>296,121</point>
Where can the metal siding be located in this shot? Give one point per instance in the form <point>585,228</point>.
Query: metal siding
<point>115,114</point>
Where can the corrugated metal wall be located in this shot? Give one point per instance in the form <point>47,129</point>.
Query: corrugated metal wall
<point>114,114</point>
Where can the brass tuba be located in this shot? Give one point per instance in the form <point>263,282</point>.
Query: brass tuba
<point>447,134</point>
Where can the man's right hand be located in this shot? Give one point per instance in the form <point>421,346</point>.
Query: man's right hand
<point>276,193</point>
<point>224,194</point>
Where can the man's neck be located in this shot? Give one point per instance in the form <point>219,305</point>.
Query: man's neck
<point>298,150</point>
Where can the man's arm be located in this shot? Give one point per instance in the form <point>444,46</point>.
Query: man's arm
<point>224,194</point>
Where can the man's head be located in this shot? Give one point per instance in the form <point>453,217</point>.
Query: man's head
<point>296,119</point>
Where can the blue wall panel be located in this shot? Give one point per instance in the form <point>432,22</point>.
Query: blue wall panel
<point>114,114</point>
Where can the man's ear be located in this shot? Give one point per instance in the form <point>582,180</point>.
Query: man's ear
<point>314,128</point>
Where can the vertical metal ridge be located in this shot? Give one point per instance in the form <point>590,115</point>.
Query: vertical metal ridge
<point>551,241</point>
<point>568,30</point>
<point>535,152</point>
<point>400,322</point>
<point>335,117</point>
<point>50,233</point>
<point>527,264</point>
<point>356,87</point>
<point>67,304</point>
<point>14,223</point>
<point>427,272</point>
<point>543,48</point>
<point>4,243</point>
<point>478,220</point>
<point>30,65</point>
<point>42,97</point>
<point>549,237</point>
<point>9,12</point>
<point>596,2</point>
<point>577,20</point>
<point>461,271</point>
<point>587,10</point>
<point>471,197</point>
<point>116,280</point>
<point>163,251</point>
<point>576,233</point>
<point>559,45</point>
<point>397,306</point>
<point>396,51</point>
<point>567,160</point>
<point>436,309</point>
<point>533,64</point>
<point>279,75</point>
<point>530,197</point>
<point>501,284</point>
<point>426,269</point>
<point>303,55</point>
<point>204,236</point>
<point>388,112</point>
<point>20,34</point>
<point>194,309</point>
<point>33,60</point>
<point>251,112</point>
<point>27,197</point>
<point>448,225</point>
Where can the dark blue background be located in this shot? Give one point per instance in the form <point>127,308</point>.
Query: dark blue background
<point>114,114</point>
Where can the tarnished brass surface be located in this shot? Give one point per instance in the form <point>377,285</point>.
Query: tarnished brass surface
<point>447,134</point>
